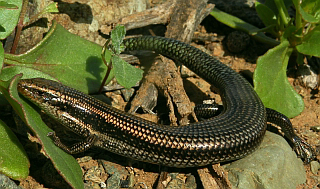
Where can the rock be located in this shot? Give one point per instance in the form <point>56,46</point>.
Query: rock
<point>178,180</point>
<point>308,76</point>
<point>6,182</point>
<point>273,165</point>
<point>315,166</point>
<point>237,41</point>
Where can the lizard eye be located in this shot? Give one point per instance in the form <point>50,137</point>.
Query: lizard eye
<point>47,96</point>
<point>41,93</point>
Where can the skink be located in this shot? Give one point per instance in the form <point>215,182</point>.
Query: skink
<point>233,134</point>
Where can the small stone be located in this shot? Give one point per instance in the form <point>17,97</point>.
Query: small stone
<point>127,93</point>
<point>308,77</point>
<point>273,165</point>
<point>6,182</point>
<point>315,128</point>
<point>315,166</point>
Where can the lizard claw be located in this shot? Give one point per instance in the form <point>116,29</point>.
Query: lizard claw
<point>303,150</point>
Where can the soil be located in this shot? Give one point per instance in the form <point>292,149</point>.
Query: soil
<point>198,90</point>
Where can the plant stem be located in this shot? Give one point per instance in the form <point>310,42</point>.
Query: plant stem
<point>109,66</point>
<point>283,13</point>
<point>19,26</point>
<point>298,18</point>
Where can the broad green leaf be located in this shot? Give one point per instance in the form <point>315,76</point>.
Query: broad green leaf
<point>9,18</point>
<point>13,158</point>
<point>1,56</point>
<point>316,28</point>
<point>310,45</point>
<point>52,7</point>
<point>265,14</point>
<point>308,17</point>
<point>126,74</point>
<point>9,71</point>
<point>272,85</point>
<point>117,36</point>
<point>66,57</point>
<point>6,5</point>
<point>66,165</point>
<point>239,24</point>
<point>311,7</point>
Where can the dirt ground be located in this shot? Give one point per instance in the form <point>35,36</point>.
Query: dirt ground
<point>147,175</point>
<point>95,170</point>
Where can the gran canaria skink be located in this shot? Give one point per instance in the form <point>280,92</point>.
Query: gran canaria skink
<point>233,134</point>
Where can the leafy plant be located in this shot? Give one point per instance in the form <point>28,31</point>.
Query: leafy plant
<point>126,75</point>
<point>297,36</point>
<point>60,56</point>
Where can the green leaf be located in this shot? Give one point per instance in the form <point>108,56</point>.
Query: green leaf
<point>239,24</point>
<point>308,17</point>
<point>311,44</point>
<point>5,5</point>
<point>1,56</point>
<point>272,85</point>
<point>66,57</point>
<point>52,7</point>
<point>10,71</point>
<point>9,19</point>
<point>267,16</point>
<point>117,36</point>
<point>311,7</point>
<point>126,74</point>
<point>66,165</point>
<point>13,158</point>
